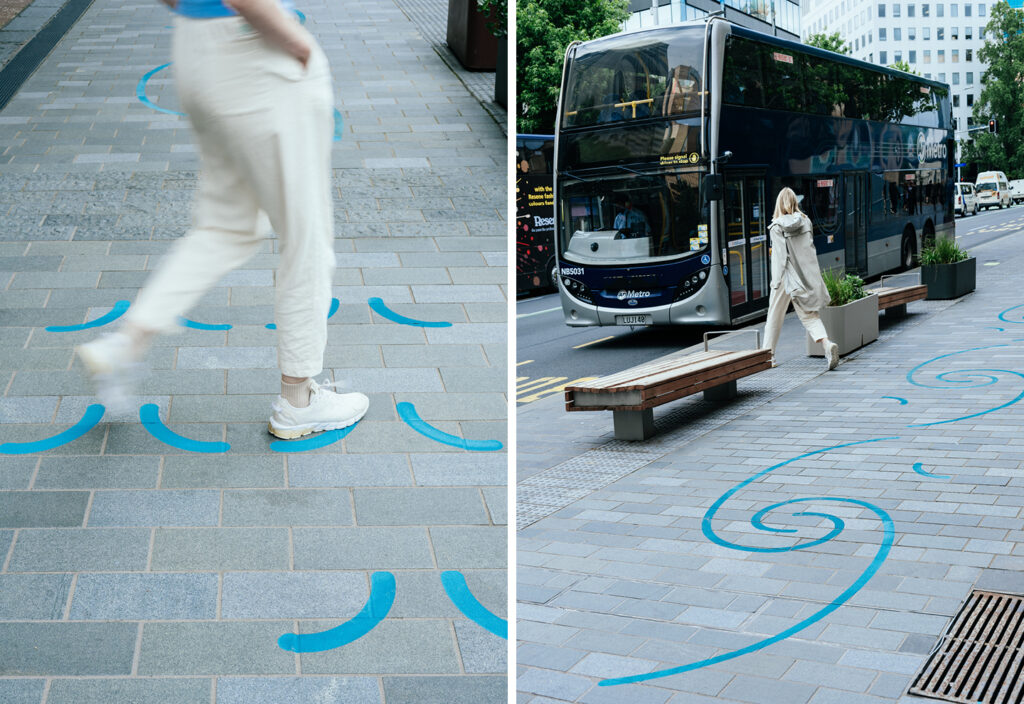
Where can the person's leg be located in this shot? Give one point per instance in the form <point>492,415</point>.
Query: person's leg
<point>778,304</point>
<point>816,329</point>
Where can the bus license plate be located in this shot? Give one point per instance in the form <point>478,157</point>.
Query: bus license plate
<point>633,320</point>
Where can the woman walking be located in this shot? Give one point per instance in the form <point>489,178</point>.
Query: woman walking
<point>796,277</point>
<point>257,90</point>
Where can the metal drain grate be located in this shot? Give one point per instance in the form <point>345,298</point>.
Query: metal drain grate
<point>980,659</point>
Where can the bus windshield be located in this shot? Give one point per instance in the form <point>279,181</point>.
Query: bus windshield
<point>636,219</point>
<point>657,73</point>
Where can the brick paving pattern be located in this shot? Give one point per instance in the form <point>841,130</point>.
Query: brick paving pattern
<point>627,576</point>
<point>131,570</point>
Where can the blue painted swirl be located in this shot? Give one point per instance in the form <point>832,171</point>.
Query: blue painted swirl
<point>966,378</point>
<point>185,322</point>
<point>89,420</point>
<point>149,416</point>
<point>314,443</point>
<point>382,596</point>
<point>903,401</point>
<point>378,307</point>
<point>888,537</point>
<point>1002,316</point>
<point>919,468</point>
<point>119,309</point>
<point>458,591</point>
<point>140,92</point>
<point>407,412</point>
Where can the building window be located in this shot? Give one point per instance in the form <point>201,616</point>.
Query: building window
<point>970,78</point>
<point>925,10</point>
<point>897,57</point>
<point>954,10</point>
<point>911,33</point>
<point>928,76</point>
<point>881,9</point>
<point>954,33</point>
<point>910,10</point>
<point>897,34</point>
<point>956,56</point>
<point>856,44</point>
<point>968,34</point>
<point>956,123</point>
<point>895,9</point>
<point>881,34</point>
<point>970,121</point>
<point>981,9</point>
<point>881,58</point>
<point>970,100</point>
<point>967,10</point>
<point>940,10</point>
<point>927,56</point>
<point>956,78</point>
<point>942,77</point>
<point>942,56</point>
<point>940,33</point>
<point>956,101</point>
<point>927,33</point>
<point>913,57</point>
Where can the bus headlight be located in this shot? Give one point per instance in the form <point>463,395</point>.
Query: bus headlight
<point>690,285</point>
<point>577,289</point>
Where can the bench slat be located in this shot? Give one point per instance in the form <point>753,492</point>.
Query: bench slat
<point>644,376</point>
<point>891,296</point>
<point>633,374</point>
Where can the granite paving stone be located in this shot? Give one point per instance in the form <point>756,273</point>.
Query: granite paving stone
<point>207,648</point>
<point>67,648</point>
<point>144,691</point>
<point>144,597</point>
<point>212,549</point>
<point>271,690</point>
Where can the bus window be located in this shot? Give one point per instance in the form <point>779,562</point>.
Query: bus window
<point>784,83</point>
<point>743,83</point>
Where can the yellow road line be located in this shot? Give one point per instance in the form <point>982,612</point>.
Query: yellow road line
<point>525,361</point>
<point>553,389</point>
<point>592,342</point>
<point>538,383</point>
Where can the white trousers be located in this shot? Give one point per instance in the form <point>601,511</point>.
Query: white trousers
<point>264,127</point>
<point>778,303</point>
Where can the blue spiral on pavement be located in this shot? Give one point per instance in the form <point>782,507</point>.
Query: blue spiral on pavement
<point>89,420</point>
<point>140,92</point>
<point>407,412</point>
<point>149,416</point>
<point>382,596</point>
<point>458,591</point>
<point>185,322</point>
<point>919,468</point>
<point>119,309</point>
<point>1002,316</point>
<point>888,537</point>
<point>323,439</point>
<point>378,307</point>
<point>968,378</point>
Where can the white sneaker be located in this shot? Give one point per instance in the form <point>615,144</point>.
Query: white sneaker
<point>831,354</point>
<point>113,369</point>
<point>327,410</point>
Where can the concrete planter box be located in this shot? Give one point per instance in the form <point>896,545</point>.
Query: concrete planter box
<point>851,326</point>
<point>468,38</point>
<point>946,281</point>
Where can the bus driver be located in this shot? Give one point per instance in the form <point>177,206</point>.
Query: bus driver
<point>631,222</point>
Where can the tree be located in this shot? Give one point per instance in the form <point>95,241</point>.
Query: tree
<point>829,42</point>
<point>1000,99</point>
<point>905,67</point>
<point>544,28</point>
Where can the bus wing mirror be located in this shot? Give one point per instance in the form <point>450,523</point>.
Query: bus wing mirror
<point>714,187</point>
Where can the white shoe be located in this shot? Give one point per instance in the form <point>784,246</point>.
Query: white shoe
<point>113,369</point>
<point>831,354</point>
<point>327,410</point>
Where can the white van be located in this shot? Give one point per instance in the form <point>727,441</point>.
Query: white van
<point>1017,190</point>
<point>992,189</point>
<point>966,202</point>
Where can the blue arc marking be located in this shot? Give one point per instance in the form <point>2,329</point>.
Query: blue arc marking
<point>903,401</point>
<point>407,412</point>
<point>89,420</point>
<point>302,17</point>
<point>458,591</point>
<point>919,468</point>
<point>119,309</point>
<point>888,537</point>
<point>992,327</point>
<point>972,377</point>
<point>140,91</point>
<point>1002,316</point>
<point>149,415</point>
<point>378,307</point>
<point>314,443</point>
<point>335,304</point>
<point>382,596</point>
<point>203,326</point>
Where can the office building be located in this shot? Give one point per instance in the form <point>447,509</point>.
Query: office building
<point>778,17</point>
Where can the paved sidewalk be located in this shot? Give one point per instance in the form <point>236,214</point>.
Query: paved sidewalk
<point>133,568</point>
<point>640,557</point>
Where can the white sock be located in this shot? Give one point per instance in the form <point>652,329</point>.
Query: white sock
<point>296,393</point>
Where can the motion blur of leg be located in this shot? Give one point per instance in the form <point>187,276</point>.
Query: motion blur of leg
<point>264,124</point>
<point>811,320</point>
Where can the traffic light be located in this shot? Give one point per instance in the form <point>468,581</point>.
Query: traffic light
<point>992,126</point>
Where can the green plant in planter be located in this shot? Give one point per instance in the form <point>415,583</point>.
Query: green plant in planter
<point>843,289</point>
<point>497,13</point>
<point>944,251</point>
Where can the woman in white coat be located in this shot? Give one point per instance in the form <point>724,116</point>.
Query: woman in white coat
<point>796,277</point>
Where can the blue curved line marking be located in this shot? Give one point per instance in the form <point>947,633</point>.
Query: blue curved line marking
<point>339,125</point>
<point>903,401</point>
<point>335,304</point>
<point>984,380</point>
<point>382,596</point>
<point>314,443</point>
<point>458,591</point>
<point>149,415</point>
<point>919,468</point>
<point>992,327</point>
<point>380,309</point>
<point>302,17</point>
<point>203,326</point>
<point>1002,316</point>
<point>270,326</point>
<point>89,420</point>
<point>119,309</point>
<point>140,91</point>
<point>407,412</point>
<point>888,537</point>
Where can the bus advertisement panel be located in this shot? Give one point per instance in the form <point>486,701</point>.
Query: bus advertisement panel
<point>535,214</point>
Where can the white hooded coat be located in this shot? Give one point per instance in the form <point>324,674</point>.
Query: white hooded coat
<point>795,262</point>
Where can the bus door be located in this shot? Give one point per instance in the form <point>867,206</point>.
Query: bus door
<point>746,243</point>
<point>856,226</point>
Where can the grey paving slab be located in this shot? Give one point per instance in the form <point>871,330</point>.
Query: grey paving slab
<point>80,550</point>
<point>270,690</point>
<point>361,548</point>
<point>393,647</point>
<point>444,690</point>
<point>160,508</point>
<point>101,472</point>
<point>206,648</point>
<point>213,549</point>
<point>295,507</point>
<point>104,690</point>
<point>348,471</point>
<point>67,648</point>
<point>252,595</point>
<point>419,506</point>
<point>144,597</point>
<point>227,472</point>
<point>22,691</point>
<point>34,596</point>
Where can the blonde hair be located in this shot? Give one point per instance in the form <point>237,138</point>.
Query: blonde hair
<point>786,203</point>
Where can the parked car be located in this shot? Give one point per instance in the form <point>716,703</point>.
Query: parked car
<point>1017,190</point>
<point>992,189</point>
<point>966,201</point>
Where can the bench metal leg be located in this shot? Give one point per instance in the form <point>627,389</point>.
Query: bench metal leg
<point>723,392</point>
<point>633,425</point>
<point>899,311</point>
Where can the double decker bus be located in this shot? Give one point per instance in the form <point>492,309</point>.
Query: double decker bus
<point>535,214</point>
<point>672,144</point>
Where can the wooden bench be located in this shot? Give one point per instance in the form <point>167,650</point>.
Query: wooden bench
<point>894,299</point>
<point>633,394</point>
